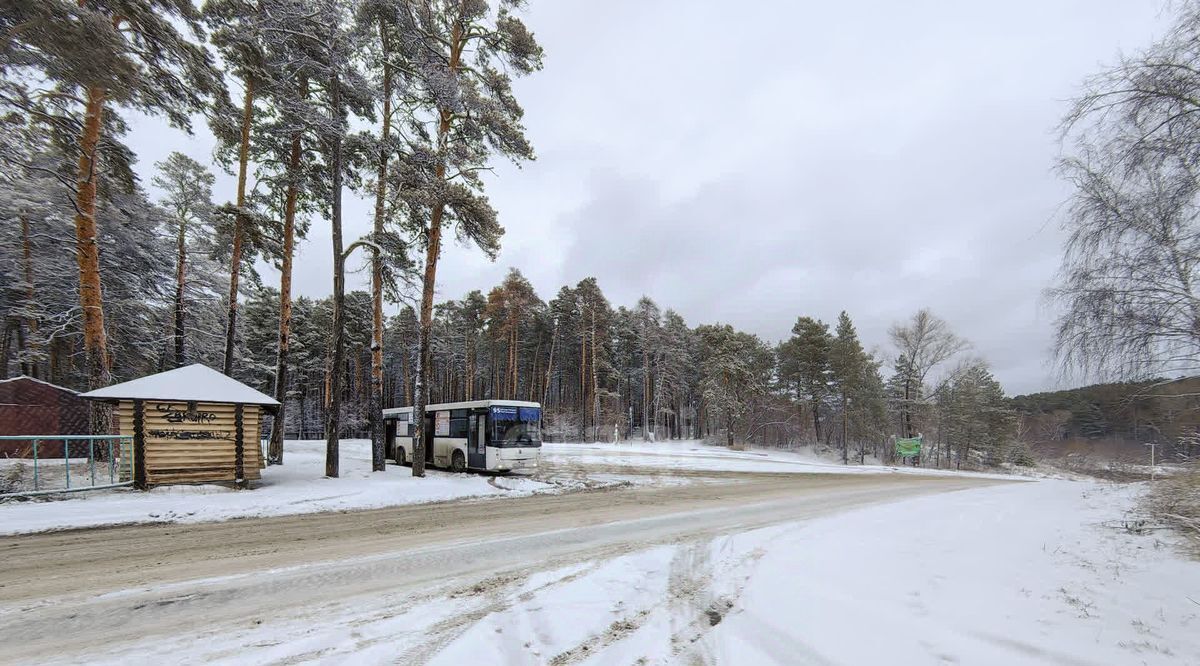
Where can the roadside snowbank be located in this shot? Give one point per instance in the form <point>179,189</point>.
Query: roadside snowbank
<point>299,486</point>
<point>696,455</point>
<point>1020,574</point>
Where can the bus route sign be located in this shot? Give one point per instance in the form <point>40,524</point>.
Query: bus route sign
<point>908,447</point>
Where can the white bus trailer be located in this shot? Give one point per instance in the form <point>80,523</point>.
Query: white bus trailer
<point>485,435</point>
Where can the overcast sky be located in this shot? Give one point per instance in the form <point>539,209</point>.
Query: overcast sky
<point>748,163</point>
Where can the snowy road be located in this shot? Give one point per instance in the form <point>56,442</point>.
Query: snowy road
<point>397,584</point>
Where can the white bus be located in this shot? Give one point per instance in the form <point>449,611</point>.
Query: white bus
<point>486,435</point>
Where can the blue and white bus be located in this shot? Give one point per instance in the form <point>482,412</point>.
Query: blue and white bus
<point>485,435</point>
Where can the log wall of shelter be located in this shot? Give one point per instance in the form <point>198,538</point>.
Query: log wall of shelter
<point>196,444</point>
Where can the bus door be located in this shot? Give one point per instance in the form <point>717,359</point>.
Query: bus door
<point>429,434</point>
<point>389,438</point>
<point>476,455</point>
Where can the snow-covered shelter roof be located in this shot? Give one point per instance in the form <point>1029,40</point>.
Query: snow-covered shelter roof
<point>196,382</point>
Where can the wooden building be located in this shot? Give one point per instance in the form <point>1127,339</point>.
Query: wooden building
<point>31,406</point>
<point>190,425</point>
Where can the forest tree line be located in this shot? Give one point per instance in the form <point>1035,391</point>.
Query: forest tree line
<point>405,102</point>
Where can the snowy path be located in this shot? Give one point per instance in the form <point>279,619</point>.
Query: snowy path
<point>339,584</point>
<point>711,557</point>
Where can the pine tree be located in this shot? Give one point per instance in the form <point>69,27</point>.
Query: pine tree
<point>647,316</point>
<point>237,33</point>
<point>187,188</point>
<point>128,54</point>
<point>735,370</point>
<point>848,365</point>
<point>804,360</point>
<point>475,115</point>
<point>343,88</point>
<point>286,134</point>
<point>595,318</point>
<point>388,24</point>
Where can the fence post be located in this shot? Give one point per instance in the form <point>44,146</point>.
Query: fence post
<point>91,444</point>
<point>139,445</point>
<point>239,448</point>
<point>35,465</point>
<point>67,460</point>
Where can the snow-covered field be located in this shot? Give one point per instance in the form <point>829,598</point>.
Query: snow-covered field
<point>1013,574</point>
<point>695,455</point>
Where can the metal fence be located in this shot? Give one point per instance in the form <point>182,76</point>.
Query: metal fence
<point>49,464</point>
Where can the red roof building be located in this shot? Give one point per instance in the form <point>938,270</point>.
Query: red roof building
<point>31,406</point>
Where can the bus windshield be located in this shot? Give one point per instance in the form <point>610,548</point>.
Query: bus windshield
<point>516,426</point>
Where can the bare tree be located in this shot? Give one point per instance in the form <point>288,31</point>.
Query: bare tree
<point>1129,268</point>
<point>1127,285</point>
<point>925,342</point>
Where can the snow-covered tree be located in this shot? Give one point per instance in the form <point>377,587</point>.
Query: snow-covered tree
<point>187,196</point>
<point>69,67</point>
<point>464,55</point>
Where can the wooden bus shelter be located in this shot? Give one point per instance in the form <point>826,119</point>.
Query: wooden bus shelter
<point>190,425</point>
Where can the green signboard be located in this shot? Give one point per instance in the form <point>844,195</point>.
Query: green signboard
<point>908,447</point>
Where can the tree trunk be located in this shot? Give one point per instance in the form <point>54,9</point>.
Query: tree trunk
<point>516,367</point>
<point>180,278</point>
<point>376,419</point>
<point>816,420</point>
<point>645,390</point>
<point>845,442</point>
<point>583,410</point>
<point>275,449</point>
<point>469,378</point>
<point>95,339</point>
<point>432,251</point>
<point>31,322</point>
<point>338,342</point>
<point>5,343</point>
<point>907,410</point>
<point>550,362</point>
<point>235,256</point>
<point>595,384</point>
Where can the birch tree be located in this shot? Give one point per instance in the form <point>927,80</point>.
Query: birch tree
<point>1127,286</point>
<point>924,342</point>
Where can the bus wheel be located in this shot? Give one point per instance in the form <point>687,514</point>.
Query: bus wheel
<point>458,462</point>
<point>400,456</point>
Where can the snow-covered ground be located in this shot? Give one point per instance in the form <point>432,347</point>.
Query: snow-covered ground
<point>696,455</point>
<point>1012,574</point>
<point>299,486</point>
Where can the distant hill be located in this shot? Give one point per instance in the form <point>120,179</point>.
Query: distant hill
<point>1114,420</point>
